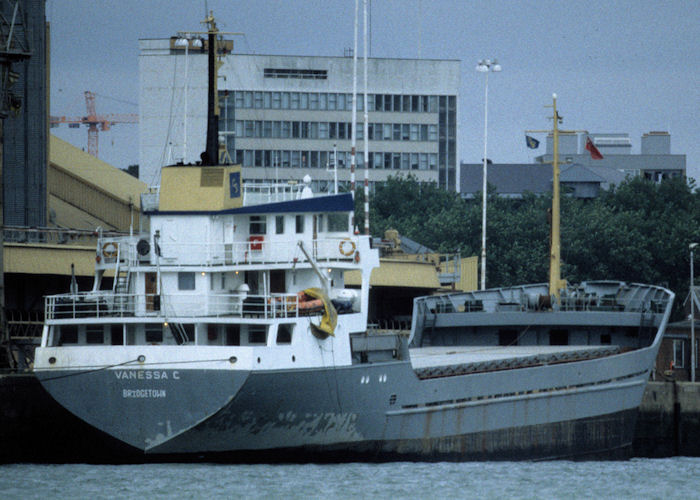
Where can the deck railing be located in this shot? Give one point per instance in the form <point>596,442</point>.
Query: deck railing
<point>255,250</point>
<point>634,298</point>
<point>105,304</point>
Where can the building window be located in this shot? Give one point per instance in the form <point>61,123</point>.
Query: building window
<point>387,103</point>
<point>387,132</point>
<point>432,132</point>
<point>378,102</point>
<point>299,224</point>
<point>679,353</point>
<point>306,74</point>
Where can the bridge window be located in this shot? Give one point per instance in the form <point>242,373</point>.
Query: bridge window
<point>558,337</point>
<point>507,337</point>
<point>337,222</point>
<point>284,334</point>
<point>233,335</point>
<point>94,334</point>
<point>154,333</point>
<point>257,334</point>
<point>258,224</point>
<point>69,334</point>
<point>279,224</point>
<point>185,281</point>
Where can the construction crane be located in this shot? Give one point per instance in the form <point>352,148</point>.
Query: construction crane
<point>93,121</point>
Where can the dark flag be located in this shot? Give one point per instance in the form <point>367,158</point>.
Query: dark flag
<point>595,154</point>
<point>531,142</point>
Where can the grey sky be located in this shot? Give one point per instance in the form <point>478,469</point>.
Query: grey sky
<point>616,65</point>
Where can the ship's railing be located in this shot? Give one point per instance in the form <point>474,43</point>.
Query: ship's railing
<point>606,296</point>
<point>253,194</point>
<point>106,304</point>
<point>257,249</point>
<point>260,193</point>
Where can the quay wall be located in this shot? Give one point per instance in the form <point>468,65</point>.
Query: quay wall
<point>34,428</point>
<point>668,423</point>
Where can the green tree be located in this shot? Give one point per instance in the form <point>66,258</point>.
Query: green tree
<point>638,231</point>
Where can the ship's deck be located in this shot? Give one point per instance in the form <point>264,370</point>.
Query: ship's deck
<point>430,362</point>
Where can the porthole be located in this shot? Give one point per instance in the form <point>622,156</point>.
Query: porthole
<point>52,360</point>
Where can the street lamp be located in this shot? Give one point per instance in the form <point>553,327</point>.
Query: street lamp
<point>485,66</point>
<point>692,316</point>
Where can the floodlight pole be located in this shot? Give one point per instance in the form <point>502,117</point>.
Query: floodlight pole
<point>693,356</point>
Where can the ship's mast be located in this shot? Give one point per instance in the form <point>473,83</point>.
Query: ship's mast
<point>556,284</point>
<point>555,281</point>
<point>211,154</point>
<point>212,144</point>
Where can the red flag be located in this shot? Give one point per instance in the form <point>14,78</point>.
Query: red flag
<point>595,154</point>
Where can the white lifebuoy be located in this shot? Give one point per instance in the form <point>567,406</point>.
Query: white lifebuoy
<point>109,250</point>
<point>347,247</point>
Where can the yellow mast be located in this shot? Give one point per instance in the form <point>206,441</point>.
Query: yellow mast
<point>556,284</point>
<point>555,281</point>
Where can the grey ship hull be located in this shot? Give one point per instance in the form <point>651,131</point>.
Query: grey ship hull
<point>379,411</point>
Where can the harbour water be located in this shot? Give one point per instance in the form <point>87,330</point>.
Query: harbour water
<point>670,478</point>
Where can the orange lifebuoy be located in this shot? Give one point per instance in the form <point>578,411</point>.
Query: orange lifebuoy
<point>109,250</point>
<point>345,249</point>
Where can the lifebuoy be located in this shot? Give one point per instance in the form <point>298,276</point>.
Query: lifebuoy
<point>109,250</point>
<point>347,247</point>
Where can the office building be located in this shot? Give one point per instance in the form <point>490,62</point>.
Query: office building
<point>581,175</point>
<point>283,117</point>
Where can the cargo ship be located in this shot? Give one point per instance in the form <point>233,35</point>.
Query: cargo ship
<point>227,331</point>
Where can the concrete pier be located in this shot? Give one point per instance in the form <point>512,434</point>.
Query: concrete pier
<point>668,423</point>
<point>34,428</point>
